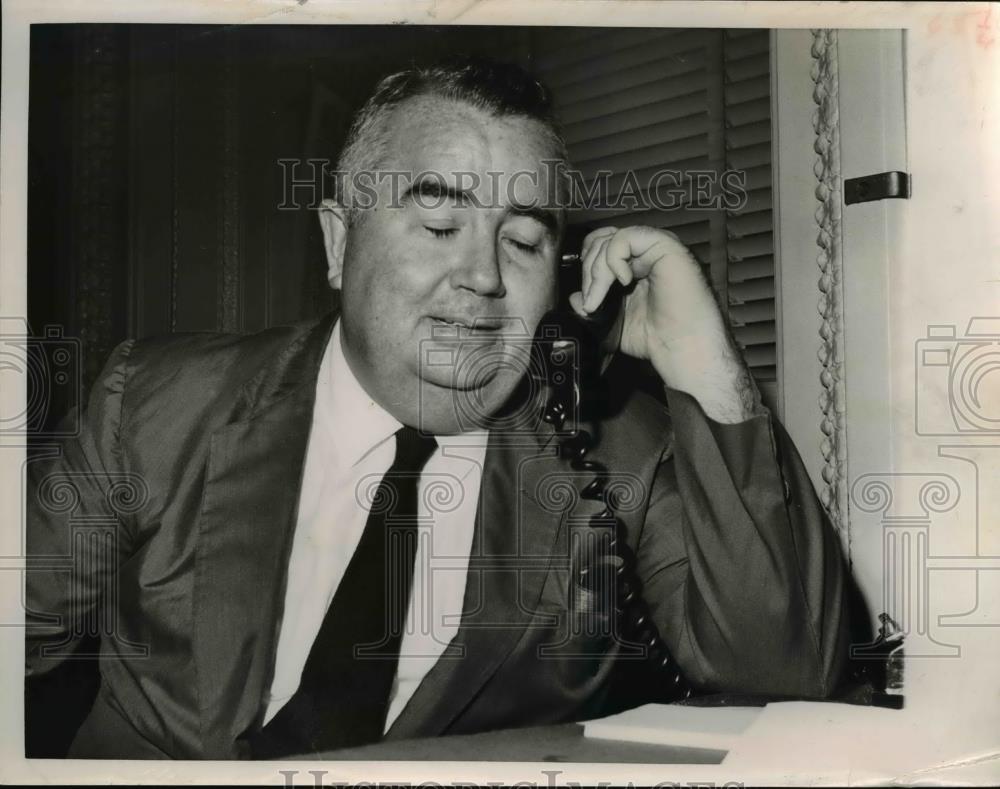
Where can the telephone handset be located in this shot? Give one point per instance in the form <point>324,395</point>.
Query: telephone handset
<point>589,345</point>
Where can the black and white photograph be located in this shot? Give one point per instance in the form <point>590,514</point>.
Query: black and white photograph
<point>569,393</point>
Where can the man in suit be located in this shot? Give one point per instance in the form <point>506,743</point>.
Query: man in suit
<point>240,578</point>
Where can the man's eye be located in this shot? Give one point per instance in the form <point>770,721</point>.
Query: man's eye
<point>442,232</point>
<point>523,246</point>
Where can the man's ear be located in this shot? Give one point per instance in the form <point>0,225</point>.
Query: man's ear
<point>333,221</point>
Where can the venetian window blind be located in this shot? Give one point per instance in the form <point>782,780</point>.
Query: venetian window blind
<point>686,100</point>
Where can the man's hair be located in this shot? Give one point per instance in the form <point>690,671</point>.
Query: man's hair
<point>501,89</point>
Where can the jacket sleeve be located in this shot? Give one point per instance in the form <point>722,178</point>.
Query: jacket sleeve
<point>741,569</point>
<point>75,534</point>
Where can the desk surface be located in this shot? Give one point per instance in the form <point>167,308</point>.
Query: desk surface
<point>562,743</point>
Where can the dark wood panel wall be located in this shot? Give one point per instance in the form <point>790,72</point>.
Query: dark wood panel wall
<point>154,179</point>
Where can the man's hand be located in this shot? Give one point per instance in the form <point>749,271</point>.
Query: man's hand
<point>670,317</point>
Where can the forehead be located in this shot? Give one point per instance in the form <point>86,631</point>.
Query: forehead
<point>443,135</point>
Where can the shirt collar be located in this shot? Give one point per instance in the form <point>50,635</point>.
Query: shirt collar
<point>355,423</point>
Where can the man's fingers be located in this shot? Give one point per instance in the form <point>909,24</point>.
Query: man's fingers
<point>644,247</point>
<point>625,254</point>
<point>593,237</point>
<point>610,262</point>
<point>590,264</point>
<point>587,263</point>
<point>619,265</point>
<point>601,278</point>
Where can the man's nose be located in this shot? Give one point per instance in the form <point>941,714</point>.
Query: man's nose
<point>479,271</point>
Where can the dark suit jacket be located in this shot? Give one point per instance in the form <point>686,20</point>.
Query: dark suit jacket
<point>198,443</point>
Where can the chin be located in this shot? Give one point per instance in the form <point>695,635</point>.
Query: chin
<point>446,410</point>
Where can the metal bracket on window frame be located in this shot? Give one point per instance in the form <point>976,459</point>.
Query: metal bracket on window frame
<point>880,186</point>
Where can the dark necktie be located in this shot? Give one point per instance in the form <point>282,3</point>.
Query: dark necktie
<point>343,697</point>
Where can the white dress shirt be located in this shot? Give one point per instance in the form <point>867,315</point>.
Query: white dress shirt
<point>351,446</point>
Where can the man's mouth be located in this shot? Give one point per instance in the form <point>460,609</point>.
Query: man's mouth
<point>468,324</point>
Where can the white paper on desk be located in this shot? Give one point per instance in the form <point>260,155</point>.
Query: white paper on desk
<point>823,735</point>
<point>717,728</point>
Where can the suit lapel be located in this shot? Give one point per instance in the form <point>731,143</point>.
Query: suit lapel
<point>511,553</point>
<point>248,512</point>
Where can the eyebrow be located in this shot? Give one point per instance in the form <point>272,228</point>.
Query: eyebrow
<point>547,218</point>
<point>431,187</point>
